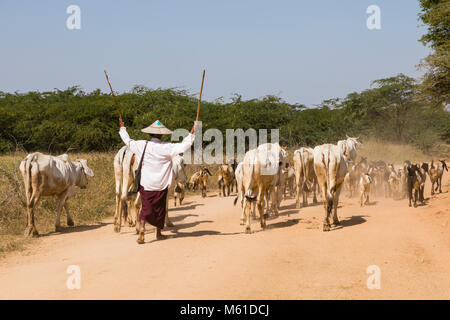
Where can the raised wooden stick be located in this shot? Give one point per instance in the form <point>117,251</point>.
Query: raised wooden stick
<point>200,97</point>
<point>114,97</point>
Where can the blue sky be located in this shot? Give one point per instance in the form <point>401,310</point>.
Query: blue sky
<point>303,51</point>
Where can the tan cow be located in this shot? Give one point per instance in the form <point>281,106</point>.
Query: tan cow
<point>262,170</point>
<point>436,172</point>
<point>305,176</point>
<point>225,179</point>
<point>364,188</point>
<point>289,180</point>
<point>330,167</point>
<point>46,175</point>
<point>240,196</point>
<point>395,185</point>
<point>127,204</point>
<point>200,178</point>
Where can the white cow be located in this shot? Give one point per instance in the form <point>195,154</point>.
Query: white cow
<point>364,188</point>
<point>262,170</point>
<point>330,167</point>
<point>46,175</point>
<point>125,166</point>
<point>305,176</point>
<point>349,147</point>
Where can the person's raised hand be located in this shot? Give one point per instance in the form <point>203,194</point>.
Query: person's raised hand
<point>194,127</point>
<point>121,123</point>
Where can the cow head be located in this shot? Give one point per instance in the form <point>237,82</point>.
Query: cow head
<point>82,172</point>
<point>412,169</point>
<point>424,166</point>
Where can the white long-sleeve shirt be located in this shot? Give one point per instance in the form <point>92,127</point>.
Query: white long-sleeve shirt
<point>156,174</point>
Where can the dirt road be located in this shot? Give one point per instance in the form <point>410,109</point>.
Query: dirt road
<point>207,255</point>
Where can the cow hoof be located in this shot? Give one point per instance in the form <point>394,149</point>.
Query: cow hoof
<point>336,223</point>
<point>297,206</point>
<point>242,222</point>
<point>31,232</point>
<point>70,223</point>
<point>247,230</point>
<point>117,229</point>
<point>326,227</point>
<point>58,229</point>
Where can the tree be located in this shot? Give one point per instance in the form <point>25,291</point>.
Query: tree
<point>436,81</point>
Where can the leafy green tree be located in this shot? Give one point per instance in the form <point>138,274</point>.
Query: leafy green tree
<point>436,81</point>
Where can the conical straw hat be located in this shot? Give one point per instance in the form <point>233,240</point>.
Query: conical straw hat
<point>157,128</point>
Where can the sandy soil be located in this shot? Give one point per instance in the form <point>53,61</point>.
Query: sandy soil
<point>207,255</point>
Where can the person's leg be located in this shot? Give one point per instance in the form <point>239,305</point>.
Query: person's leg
<point>159,235</point>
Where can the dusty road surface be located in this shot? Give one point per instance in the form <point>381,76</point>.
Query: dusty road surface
<point>207,255</point>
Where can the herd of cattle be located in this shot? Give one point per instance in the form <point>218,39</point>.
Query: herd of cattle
<point>261,180</point>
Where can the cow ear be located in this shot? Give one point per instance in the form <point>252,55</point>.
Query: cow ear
<point>86,169</point>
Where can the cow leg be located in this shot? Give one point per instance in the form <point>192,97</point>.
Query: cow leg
<point>260,204</point>
<point>416,195</point>
<point>274,192</point>
<point>242,220</point>
<point>247,215</point>
<point>220,188</point>
<point>181,196</point>
<point>305,197</point>
<point>299,190</point>
<point>315,186</point>
<point>137,210</point>
<point>229,189</point>
<point>362,198</point>
<point>327,204</point>
<point>69,218</point>
<point>440,184</point>
<point>118,204</point>
<point>62,199</point>
<point>335,205</point>
<point>30,230</point>
<point>203,191</point>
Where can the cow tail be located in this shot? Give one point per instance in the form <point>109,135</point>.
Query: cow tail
<point>248,193</point>
<point>305,173</point>
<point>328,178</point>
